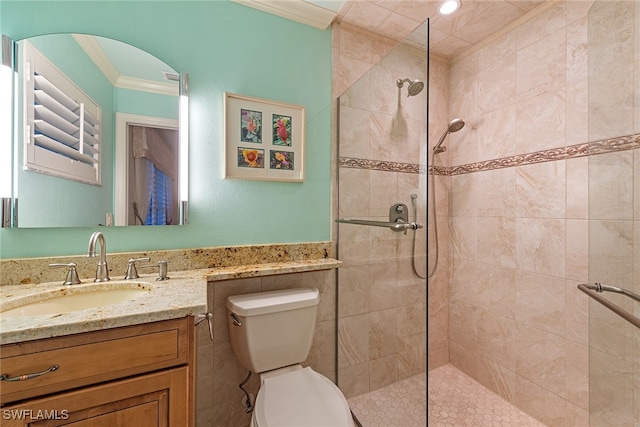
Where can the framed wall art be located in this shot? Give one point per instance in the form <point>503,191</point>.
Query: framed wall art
<point>264,139</point>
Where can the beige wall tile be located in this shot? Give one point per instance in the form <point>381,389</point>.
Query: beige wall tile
<point>611,186</point>
<point>496,193</point>
<point>540,245</point>
<point>495,339</point>
<point>577,188</point>
<point>383,371</point>
<point>542,66</point>
<point>353,341</point>
<point>577,377</point>
<point>497,241</point>
<point>577,316</point>
<point>577,246</point>
<point>541,122</point>
<point>540,302</point>
<point>495,290</point>
<point>354,380</point>
<point>540,190</point>
<point>612,381</point>
<point>540,402</point>
<point>384,339</point>
<point>541,358</point>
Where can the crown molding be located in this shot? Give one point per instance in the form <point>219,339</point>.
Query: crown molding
<point>133,83</point>
<point>97,55</point>
<point>294,10</point>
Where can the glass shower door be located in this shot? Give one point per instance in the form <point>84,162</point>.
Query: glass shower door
<point>614,214</point>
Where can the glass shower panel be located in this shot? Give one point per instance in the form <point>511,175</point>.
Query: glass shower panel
<point>614,211</point>
<point>381,163</point>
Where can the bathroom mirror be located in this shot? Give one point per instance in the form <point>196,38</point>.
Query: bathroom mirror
<point>117,162</point>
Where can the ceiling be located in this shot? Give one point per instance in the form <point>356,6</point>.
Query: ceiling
<point>396,19</point>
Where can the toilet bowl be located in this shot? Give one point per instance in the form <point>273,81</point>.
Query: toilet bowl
<point>271,334</point>
<point>300,398</point>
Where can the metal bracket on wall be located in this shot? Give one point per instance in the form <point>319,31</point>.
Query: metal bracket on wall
<point>8,217</point>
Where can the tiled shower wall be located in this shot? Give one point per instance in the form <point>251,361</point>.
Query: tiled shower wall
<point>382,311</point>
<point>519,211</point>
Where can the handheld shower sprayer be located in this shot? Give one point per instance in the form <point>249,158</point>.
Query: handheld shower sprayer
<point>454,126</point>
<point>414,88</point>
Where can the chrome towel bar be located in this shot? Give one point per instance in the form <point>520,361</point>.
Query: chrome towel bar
<point>395,226</point>
<point>599,288</point>
<point>398,220</point>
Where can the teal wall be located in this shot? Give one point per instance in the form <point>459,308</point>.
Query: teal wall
<point>225,47</point>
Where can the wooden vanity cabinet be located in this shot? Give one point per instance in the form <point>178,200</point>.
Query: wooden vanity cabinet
<point>138,375</point>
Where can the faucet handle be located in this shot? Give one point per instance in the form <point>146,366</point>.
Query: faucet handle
<point>72,274</point>
<point>132,272</point>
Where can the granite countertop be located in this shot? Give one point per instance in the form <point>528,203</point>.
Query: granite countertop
<point>184,294</point>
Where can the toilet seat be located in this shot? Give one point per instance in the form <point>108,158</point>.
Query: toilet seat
<point>301,398</point>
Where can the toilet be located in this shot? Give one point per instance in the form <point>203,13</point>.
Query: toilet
<point>271,334</point>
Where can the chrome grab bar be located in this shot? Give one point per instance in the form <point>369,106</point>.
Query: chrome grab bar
<point>599,288</point>
<point>395,226</point>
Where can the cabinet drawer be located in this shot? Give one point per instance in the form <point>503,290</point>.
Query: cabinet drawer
<point>150,400</point>
<point>92,357</point>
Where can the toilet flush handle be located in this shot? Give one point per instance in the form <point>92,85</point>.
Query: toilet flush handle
<point>199,318</point>
<point>236,321</point>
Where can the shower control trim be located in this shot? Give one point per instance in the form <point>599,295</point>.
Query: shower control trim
<point>399,213</point>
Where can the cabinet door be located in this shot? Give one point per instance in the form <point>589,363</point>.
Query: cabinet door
<point>151,400</point>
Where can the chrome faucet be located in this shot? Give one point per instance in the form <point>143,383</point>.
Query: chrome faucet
<point>102,273</point>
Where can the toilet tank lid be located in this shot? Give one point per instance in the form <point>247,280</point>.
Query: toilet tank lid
<point>272,301</point>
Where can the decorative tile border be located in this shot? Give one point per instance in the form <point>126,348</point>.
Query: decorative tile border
<point>611,145</point>
<point>380,165</point>
<point>629,142</point>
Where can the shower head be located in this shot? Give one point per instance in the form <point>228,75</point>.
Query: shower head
<point>415,86</point>
<point>454,126</point>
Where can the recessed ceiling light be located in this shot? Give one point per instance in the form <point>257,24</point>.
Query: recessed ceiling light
<point>449,6</point>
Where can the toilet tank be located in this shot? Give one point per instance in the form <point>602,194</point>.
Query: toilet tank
<point>270,330</point>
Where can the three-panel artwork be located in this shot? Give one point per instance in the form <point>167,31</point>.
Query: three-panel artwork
<point>264,139</point>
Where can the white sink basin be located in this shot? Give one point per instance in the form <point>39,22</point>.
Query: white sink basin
<point>73,298</point>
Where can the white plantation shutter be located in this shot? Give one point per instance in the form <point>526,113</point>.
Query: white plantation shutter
<point>62,124</point>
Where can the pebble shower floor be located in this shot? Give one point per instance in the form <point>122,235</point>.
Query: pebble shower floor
<point>457,400</point>
<point>401,404</point>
